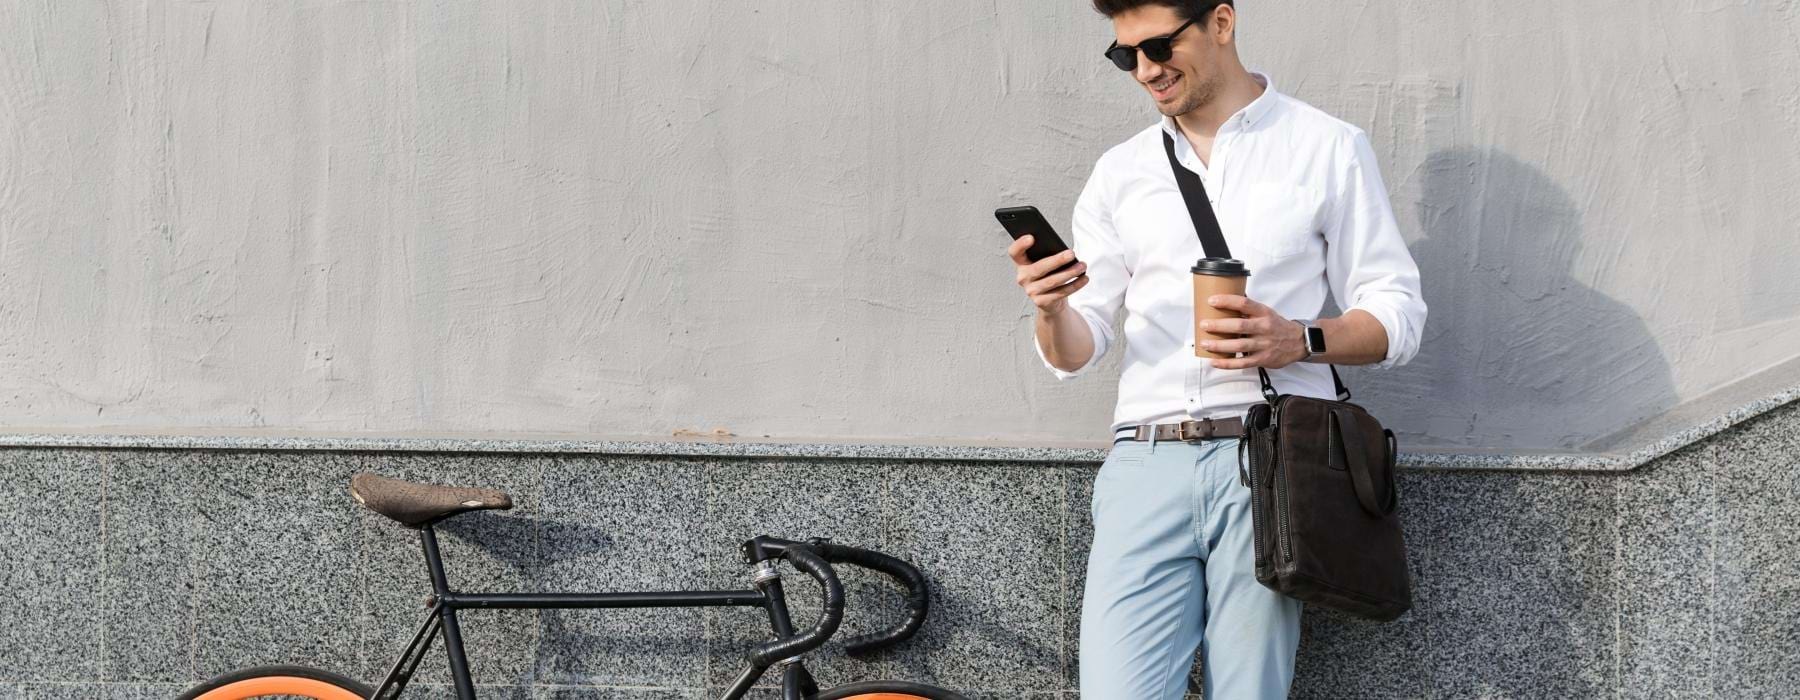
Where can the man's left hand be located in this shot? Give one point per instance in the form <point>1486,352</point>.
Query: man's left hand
<point>1269,340</point>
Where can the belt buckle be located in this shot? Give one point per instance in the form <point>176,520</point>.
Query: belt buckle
<point>1205,431</point>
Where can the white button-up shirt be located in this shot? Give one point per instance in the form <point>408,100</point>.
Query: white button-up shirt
<point>1299,196</point>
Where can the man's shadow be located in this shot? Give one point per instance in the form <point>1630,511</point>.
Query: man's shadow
<point>1516,354</point>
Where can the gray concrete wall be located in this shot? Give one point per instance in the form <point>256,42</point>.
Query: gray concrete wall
<point>150,569</point>
<point>636,218</point>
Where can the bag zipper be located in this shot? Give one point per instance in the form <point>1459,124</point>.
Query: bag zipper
<point>1254,478</point>
<point>1281,511</point>
<point>1287,552</point>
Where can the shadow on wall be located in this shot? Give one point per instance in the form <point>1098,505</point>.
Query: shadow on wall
<point>1517,353</point>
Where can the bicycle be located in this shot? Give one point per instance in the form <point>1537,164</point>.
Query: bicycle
<point>422,506</point>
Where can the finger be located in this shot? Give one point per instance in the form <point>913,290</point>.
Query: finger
<point>1049,282</point>
<point>1042,268</point>
<point>1053,283</point>
<point>1245,362</point>
<point>1065,290</point>
<point>1226,326</point>
<point>1245,345</point>
<point>1016,251</point>
<point>1239,303</point>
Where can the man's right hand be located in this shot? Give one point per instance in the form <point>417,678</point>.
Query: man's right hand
<point>1048,289</point>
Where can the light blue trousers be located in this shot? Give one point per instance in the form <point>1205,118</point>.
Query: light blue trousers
<point>1172,566</point>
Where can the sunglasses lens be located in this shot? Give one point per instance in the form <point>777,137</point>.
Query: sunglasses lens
<point>1158,50</point>
<point>1123,56</point>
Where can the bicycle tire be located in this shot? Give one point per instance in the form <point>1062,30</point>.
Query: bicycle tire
<point>886,690</point>
<point>278,682</point>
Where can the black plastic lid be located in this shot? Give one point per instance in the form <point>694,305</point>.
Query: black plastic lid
<point>1222,267</point>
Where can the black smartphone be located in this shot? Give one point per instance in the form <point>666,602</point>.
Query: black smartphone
<point>1020,221</point>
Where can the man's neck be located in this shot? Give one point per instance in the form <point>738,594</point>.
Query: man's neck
<point>1239,91</point>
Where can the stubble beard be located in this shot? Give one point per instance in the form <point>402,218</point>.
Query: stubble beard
<point>1196,96</point>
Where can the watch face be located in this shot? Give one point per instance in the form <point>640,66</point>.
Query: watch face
<point>1315,339</point>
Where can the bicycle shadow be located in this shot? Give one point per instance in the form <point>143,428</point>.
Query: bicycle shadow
<point>961,622</point>
<point>579,646</point>
<point>527,542</point>
<point>508,539</point>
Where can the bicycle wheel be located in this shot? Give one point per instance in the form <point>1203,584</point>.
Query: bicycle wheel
<point>278,682</point>
<point>886,690</point>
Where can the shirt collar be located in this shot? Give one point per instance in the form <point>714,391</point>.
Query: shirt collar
<point>1250,114</point>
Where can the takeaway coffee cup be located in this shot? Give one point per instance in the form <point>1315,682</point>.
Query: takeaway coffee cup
<point>1216,276</point>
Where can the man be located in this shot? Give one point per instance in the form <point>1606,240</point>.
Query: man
<point>1301,201</point>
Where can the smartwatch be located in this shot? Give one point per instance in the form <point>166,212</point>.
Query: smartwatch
<point>1315,338</point>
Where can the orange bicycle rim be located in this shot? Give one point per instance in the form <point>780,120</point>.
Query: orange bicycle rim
<point>279,685</point>
<point>885,696</point>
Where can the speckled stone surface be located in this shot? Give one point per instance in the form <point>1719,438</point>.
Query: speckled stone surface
<point>89,691</point>
<point>276,568</point>
<point>1667,584</point>
<point>1756,623</point>
<point>622,524</point>
<point>138,691</point>
<point>988,537</point>
<point>1674,580</point>
<point>52,537</point>
<point>581,693</point>
<point>1077,541</point>
<point>484,691</point>
<point>1523,592</point>
<point>151,526</point>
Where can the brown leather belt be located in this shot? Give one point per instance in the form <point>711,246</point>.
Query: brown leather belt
<point>1209,429</point>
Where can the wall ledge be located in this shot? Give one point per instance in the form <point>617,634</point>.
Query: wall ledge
<point>1687,423</point>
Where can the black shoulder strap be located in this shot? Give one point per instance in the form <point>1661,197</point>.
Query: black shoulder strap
<point>1212,240</point>
<point>1206,224</point>
<point>1268,388</point>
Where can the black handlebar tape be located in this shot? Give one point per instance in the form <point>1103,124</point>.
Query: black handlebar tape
<point>830,614</point>
<point>918,596</point>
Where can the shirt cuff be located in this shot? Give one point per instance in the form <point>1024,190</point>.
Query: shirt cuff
<point>1099,350</point>
<point>1395,327</point>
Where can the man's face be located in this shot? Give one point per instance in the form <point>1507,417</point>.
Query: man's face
<point>1191,77</point>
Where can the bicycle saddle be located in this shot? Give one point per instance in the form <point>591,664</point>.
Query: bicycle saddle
<point>416,505</point>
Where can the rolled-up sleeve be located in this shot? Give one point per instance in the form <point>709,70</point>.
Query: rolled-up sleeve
<point>1367,263</point>
<point>1096,243</point>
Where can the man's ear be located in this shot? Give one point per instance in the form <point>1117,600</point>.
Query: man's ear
<point>1222,24</point>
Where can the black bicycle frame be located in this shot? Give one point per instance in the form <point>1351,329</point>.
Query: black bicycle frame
<point>444,603</point>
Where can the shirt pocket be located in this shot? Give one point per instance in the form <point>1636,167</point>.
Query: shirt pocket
<point>1281,219</point>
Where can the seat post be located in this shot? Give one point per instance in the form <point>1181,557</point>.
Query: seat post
<point>434,562</point>
<point>453,642</point>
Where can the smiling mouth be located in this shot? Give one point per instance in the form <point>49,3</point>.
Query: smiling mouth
<point>1162,87</point>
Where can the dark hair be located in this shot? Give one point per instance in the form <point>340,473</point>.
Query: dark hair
<point>1188,9</point>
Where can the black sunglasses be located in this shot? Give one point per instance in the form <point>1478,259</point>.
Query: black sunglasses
<point>1158,49</point>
